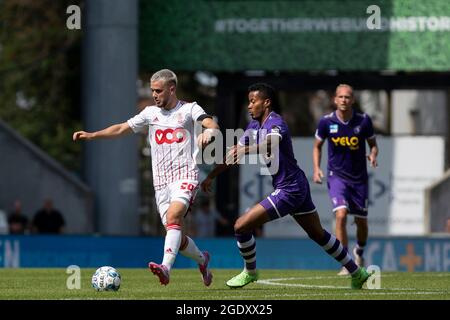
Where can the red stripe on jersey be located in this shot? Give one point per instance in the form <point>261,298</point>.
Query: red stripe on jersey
<point>158,167</point>
<point>163,162</point>
<point>173,226</point>
<point>171,165</point>
<point>179,162</point>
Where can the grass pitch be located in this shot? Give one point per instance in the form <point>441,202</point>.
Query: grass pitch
<point>185,284</point>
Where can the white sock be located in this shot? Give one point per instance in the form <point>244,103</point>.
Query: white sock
<point>171,245</point>
<point>191,251</point>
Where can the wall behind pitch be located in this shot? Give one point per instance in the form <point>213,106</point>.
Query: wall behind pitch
<point>30,175</point>
<point>407,165</point>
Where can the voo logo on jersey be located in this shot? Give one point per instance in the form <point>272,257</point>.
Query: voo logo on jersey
<point>170,136</point>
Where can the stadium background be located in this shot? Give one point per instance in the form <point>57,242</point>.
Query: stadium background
<point>98,75</point>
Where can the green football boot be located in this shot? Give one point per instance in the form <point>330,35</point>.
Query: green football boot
<point>359,278</point>
<point>242,279</point>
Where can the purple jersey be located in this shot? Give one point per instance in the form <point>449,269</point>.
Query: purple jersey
<point>346,145</point>
<point>289,174</point>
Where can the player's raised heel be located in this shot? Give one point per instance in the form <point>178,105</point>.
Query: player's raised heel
<point>160,271</point>
<point>242,279</point>
<point>359,278</point>
<point>206,273</point>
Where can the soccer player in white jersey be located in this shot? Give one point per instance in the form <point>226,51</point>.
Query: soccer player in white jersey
<point>175,172</point>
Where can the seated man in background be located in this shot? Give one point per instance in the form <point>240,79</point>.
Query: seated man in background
<point>48,220</point>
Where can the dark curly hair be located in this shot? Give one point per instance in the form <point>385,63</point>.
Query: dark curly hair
<point>267,91</point>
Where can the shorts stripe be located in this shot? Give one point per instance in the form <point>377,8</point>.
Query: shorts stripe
<point>351,213</point>
<point>340,207</point>
<point>301,213</point>
<point>273,204</point>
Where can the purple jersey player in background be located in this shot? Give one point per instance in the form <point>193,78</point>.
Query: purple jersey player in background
<point>346,132</point>
<point>268,135</point>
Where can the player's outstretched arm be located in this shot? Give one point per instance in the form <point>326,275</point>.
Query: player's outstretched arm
<point>264,147</point>
<point>317,155</point>
<point>268,146</point>
<point>113,131</point>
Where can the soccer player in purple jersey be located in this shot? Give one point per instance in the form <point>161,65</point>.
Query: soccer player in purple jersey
<point>346,132</point>
<point>271,138</point>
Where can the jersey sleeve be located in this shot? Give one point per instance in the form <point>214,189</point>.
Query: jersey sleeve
<point>368,132</point>
<point>139,121</point>
<point>322,132</point>
<point>277,128</point>
<point>247,137</point>
<point>197,111</point>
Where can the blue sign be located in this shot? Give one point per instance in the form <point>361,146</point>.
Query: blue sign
<point>390,254</point>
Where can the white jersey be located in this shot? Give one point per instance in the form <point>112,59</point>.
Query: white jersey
<point>172,141</point>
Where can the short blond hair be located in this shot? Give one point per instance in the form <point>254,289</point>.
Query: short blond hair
<point>166,75</point>
<point>344,85</point>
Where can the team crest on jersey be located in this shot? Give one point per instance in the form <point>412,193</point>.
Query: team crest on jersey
<point>277,191</point>
<point>333,128</point>
<point>180,118</point>
<point>275,129</point>
<point>254,134</point>
<point>357,129</point>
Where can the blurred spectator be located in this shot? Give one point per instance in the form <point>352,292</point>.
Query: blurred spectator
<point>205,220</point>
<point>3,222</point>
<point>448,225</point>
<point>48,219</point>
<point>18,223</point>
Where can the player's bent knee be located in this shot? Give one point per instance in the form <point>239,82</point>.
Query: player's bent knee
<point>174,220</point>
<point>237,228</point>
<point>240,227</point>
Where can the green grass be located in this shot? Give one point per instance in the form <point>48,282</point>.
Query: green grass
<point>185,284</point>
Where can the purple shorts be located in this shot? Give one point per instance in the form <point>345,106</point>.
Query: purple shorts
<point>353,196</point>
<point>282,202</point>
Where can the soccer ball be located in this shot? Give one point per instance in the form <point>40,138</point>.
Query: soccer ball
<point>106,279</point>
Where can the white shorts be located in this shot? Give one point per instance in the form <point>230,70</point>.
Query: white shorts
<point>182,191</point>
